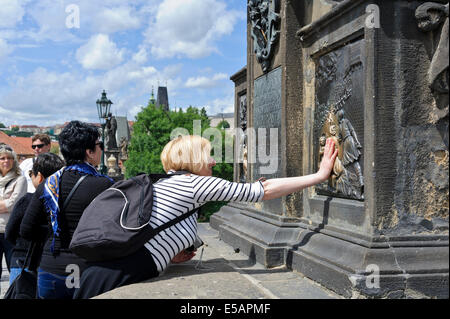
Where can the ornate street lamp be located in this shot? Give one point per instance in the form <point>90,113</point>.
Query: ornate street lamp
<point>103,106</point>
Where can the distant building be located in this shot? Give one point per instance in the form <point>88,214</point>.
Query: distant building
<point>216,119</point>
<point>30,128</point>
<point>58,128</point>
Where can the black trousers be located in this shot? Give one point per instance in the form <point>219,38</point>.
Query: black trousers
<point>5,248</point>
<point>101,277</point>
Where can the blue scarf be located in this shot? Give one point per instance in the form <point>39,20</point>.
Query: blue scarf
<point>52,188</point>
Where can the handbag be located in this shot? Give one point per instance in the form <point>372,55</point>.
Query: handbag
<point>25,285</point>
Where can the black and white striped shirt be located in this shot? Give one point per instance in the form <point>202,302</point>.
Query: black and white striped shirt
<point>182,193</point>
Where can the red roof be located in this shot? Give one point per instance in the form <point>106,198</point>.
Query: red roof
<point>20,145</point>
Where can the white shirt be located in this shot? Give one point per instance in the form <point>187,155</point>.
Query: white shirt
<point>182,193</point>
<point>26,166</point>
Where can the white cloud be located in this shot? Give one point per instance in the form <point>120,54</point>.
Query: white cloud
<point>106,16</point>
<point>51,95</point>
<point>189,27</point>
<point>50,19</point>
<point>141,56</point>
<point>110,20</point>
<point>60,96</point>
<point>11,13</point>
<point>99,53</point>
<point>172,71</point>
<point>75,65</point>
<point>220,105</point>
<point>205,82</point>
<point>5,49</point>
<point>134,111</point>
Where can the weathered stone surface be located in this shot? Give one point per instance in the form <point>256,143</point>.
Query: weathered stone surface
<point>224,274</point>
<point>400,116</point>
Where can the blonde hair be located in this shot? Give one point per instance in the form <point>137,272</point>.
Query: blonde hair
<point>6,149</point>
<point>186,153</point>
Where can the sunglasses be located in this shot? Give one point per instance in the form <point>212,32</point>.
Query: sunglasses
<point>30,173</point>
<point>6,147</point>
<point>38,146</point>
<point>102,146</point>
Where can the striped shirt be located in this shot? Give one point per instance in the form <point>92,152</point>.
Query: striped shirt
<point>180,194</point>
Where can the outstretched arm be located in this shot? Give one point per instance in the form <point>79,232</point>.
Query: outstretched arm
<point>278,187</point>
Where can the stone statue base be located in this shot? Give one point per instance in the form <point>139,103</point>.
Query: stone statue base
<point>111,160</point>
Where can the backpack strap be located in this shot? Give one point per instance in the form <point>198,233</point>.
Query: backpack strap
<point>66,203</point>
<point>156,177</point>
<point>69,197</point>
<point>176,220</point>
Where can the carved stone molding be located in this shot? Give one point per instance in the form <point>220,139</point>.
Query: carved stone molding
<point>433,17</point>
<point>264,16</point>
<point>243,140</point>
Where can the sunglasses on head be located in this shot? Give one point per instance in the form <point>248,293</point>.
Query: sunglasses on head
<point>38,146</point>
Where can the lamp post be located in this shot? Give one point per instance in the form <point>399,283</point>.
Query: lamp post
<point>103,106</point>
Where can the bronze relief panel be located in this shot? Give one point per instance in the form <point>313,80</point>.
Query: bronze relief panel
<point>339,114</point>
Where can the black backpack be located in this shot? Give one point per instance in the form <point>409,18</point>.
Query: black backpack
<point>116,223</point>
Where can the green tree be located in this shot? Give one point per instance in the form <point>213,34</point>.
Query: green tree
<point>151,132</point>
<point>55,149</point>
<point>223,170</point>
<point>223,124</point>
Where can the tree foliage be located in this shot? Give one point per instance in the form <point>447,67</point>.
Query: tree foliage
<point>223,124</point>
<point>151,132</point>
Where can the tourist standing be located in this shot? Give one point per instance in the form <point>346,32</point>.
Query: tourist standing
<point>44,165</point>
<point>82,151</point>
<point>40,143</point>
<point>12,187</point>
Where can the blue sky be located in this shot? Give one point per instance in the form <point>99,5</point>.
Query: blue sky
<point>54,62</point>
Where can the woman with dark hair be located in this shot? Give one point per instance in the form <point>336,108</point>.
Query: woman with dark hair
<point>82,151</point>
<point>43,166</point>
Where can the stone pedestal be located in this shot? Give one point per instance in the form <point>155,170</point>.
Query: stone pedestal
<point>379,227</point>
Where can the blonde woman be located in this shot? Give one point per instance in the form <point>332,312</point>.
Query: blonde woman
<point>179,195</point>
<point>12,187</point>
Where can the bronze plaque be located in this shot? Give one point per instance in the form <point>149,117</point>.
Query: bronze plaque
<point>267,119</point>
<point>339,114</point>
